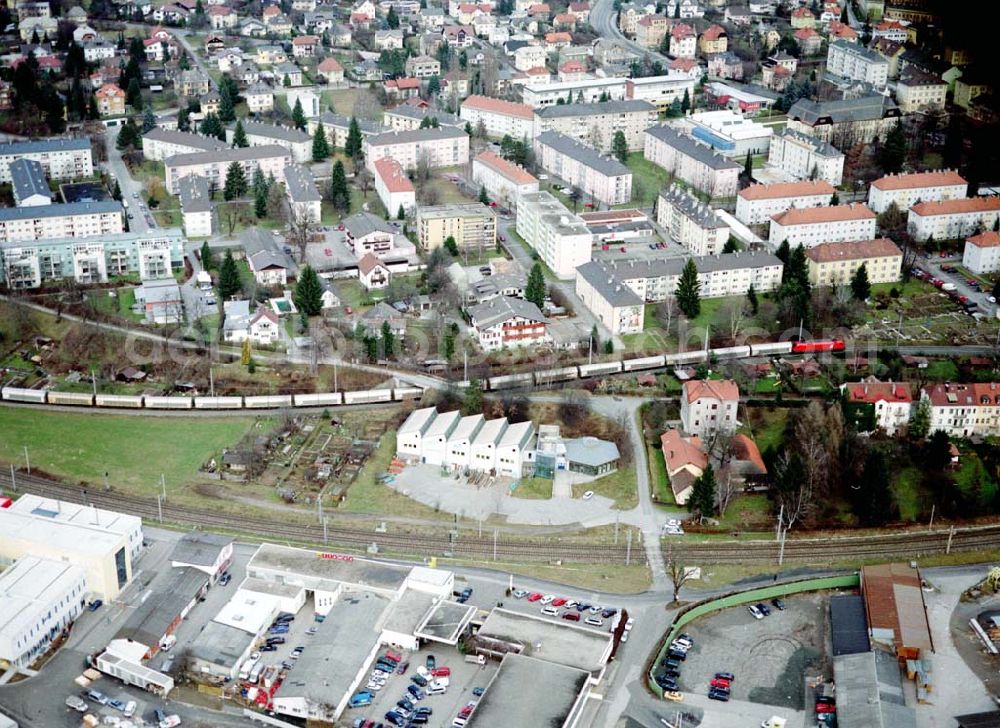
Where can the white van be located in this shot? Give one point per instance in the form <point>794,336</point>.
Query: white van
<point>433,689</point>
<point>167,642</point>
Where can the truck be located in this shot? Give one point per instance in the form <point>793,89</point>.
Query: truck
<point>476,659</point>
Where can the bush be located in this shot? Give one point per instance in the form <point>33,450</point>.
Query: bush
<point>894,292</point>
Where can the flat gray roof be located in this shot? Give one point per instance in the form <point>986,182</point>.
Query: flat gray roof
<point>40,146</point>
<point>343,645</point>
<point>866,108</point>
<point>70,208</point>
<point>856,49</point>
<point>582,153</point>
<point>28,178</point>
<point>193,191</point>
<point>445,622</point>
<point>870,692</point>
<point>239,154</point>
<point>310,569</point>
<point>186,138</point>
<point>199,548</point>
<point>530,692</point>
<point>688,146</point>
<point>820,147</point>
<point>416,135</point>
<point>407,612</point>
<point>500,309</point>
<point>624,106</point>
<point>361,224</point>
<point>553,640</point>
<point>151,619</point>
<point>591,451</point>
<point>220,644</point>
<point>689,204</point>
<point>273,131</point>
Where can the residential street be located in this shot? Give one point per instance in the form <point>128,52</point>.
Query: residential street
<point>132,191</point>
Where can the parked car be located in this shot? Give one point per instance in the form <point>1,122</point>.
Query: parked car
<point>550,611</point>
<point>763,609</point>
<point>430,662</point>
<point>558,602</point>
<point>226,576</point>
<point>673,695</point>
<point>95,605</point>
<point>403,667</point>
<point>725,676</point>
<point>76,703</point>
<point>757,614</point>
<point>519,593</point>
<point>419,680</point>
<point>463,597</point>
<point>594,621</point>
<point>547,599</point>
<point>97,696</point>
<point>571,616</point>
<point>779,604</point>
<point>667,683</point>
<point>415,691</point>
<point>117,705</point>
<point>534,597</point>
<point>720,695</point>
<point>359,700</point>
<point>441,672</point>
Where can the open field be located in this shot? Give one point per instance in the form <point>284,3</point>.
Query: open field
<point>598,577</point>
<point>533,489</point>
<point>619,486</point>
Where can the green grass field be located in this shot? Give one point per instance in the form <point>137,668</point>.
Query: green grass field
<point>533,489</point>
<point>134,451</point>
<point>620,486</point>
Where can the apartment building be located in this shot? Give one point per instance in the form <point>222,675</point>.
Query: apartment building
<point>296,141</point>
<point>691,222</point>
<point>887,405</point>
<point>952,219</point>
<point>196,206</point>
<point>815,225</point>
<point>651,30</point>
<point>597,124</point>
<point>304,200</point>
<point>159,144</point>
<point>757,204</point>
<point>587,91</point>
<point>560,238</point>
<point>845,122</point>
<point>854,61</point>
<point>834,264</point>
<point>73,220</point>
<point>270,159</point>
<point>422,67</point>
<point>41,598</point>
<point>611,301</point>
<point>472,225</point>
<point>110,100</point>
<point>393,187</point>
<point>504,181</point>
<point>917,90</point>
<point>500,118</point>
<point>982,253</point>
<point>603,178</point>
<point>60,158</point>
<point>691,162</point>
<point>806,157</point>
<point>506,322</point>
<point>907,190</point>
<point>661,91</point>
<point>259,98</point>
<point>337,127</point>
<point>442,147</point>
<point>709,406</point>
<point>964,410</point>
<point>683,41</point>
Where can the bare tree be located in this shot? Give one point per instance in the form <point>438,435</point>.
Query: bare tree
<point>678,574</point>
<point>276,203</point>
<point>665,312</point>
<point>366,106</point>
<point>299,229</point>
<point>232,214</point>
<point>488,73</point>
<point>363,179</point>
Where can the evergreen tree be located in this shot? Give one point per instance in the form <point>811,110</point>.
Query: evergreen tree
<point>371,348</point>
<point>340,194</point>
<point>229,277</point>
<point>677,10</point>
<point>873,504</point>
<point>783,253</point>
<point>212,127</point>
<point>116,191</point>
<point>308,292</point>
<point>534,291</point>
<point>133,95</point>
<point>483,197</point>
<point>702,499</point>
<point>321,147</point>
<point>433,85</point>
<point>893,152</point>
<point>468,128</point>
<point>609,346</point>
<point>752,300</point>
<point>463,60</point>
<point>183,119</point>
<point>688,288</point>
<point>748,166</point>
<point>619,146</point>
<point>686,102</point>
<point>675,109</point>
<point>451,246</point>
<point>401,212</point>
<point>835,198</point>
<point>148,119</point>
<point>207,259</point>
<point>388,340</point>
<point>240,136</point>
<point>227,104</point>
<point>128,136</point>
<point>861,289</point>
<point>391,18</point>
<point>298,116</point>
<point>732,245</point>
<point>236,182</point>
<point>843,14</point>
<point>473,402</point>
<point>260,202</point>
<point>920,421</point>
<point>353,145</point>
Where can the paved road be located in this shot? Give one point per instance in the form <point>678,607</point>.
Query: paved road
<point>181,35</point>
<point>604,21</point>
<point>132,191</point>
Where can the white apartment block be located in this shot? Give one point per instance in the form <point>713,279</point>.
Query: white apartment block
<point>814,225</point>
<point>560,238</point>
<point>297,142</point>
<point>597,124</point>
<point>709,406</point>
<point>854,61</point>
<point>466,443</point>
<point>60,158</point>
<point>691,162</point>
<point>757,204</point>
<point>917,90</point>
<point>159,144</point>
<point>271,159</point>
<point>196,207</point>
<point>154,254</point>
<point>587,91</point>
<point>891,402</point>
<point>964,410</point>
<point>500,118</point>
<point>805,157</point>
<point>952,219</point>
<point>472,225</point>
<point>611,301</point>
<point>39,599</point>
<point>691,222</point>
<point>73,220</point>
<point>504,181</point>
<point>393,187</point>
<point>834,264</point>
<point>304,200</point>
<point>907,190</point>
<point>661,90</point>
<point>442,147</point>
<point>982,253</point>
<point>603,178</point>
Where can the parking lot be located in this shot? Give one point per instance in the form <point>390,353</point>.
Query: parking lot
<point>768,657</point>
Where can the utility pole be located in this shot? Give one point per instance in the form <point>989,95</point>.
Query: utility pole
<point>324,529</point>
<point>163,486</point>
<point>781,550</point>
<point>319,507</point>
<point>27,460</point>
<point>211,381</point>
<point>465,357</point>
<point>159,507</point>
<point>951,533</point>
<point>628,547</point>
<point>495,532</point>
<point>781,517</point>
<point>616,528</point>
<point>334,375</point>
<point>590,350</point>
<point>13,482</point>
<point>931,524</point>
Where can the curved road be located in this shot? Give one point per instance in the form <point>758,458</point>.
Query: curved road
<point>603,18</point>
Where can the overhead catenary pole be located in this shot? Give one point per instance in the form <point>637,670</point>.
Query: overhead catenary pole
<point>163,486</point>
<point>628,547</point>
<point>159,508</point>
<point>495,532</point>
<point>27,460</point>
<point>13,481</point>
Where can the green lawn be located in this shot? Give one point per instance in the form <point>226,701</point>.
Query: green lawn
<point>533,489</point>
<point>768,426</point>
<point>133,450</point>
<point>648,179</point>
<point>513,237</point>
<point>659,482</point>
<point>119,305</point>
<point>620,486</point>
<point>746,512</point>
<point>908,494</point>
<point>942,370</point>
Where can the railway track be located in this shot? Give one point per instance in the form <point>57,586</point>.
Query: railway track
<point>908,544</point>
<point>442,543</point>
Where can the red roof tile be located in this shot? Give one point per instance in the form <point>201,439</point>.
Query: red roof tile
<point>988,239</point>
<point>786,189</point>
<point>951,207</point>
<point>853,250</point>
<point>834,213</point>
<point>393,177</point>
<point>724,390</point>
<point>679,451</point>
<point>498,106</point>
<point>514,173</point>
<point>916,180</point>
<point>873,392</point>
<point>964,395</point>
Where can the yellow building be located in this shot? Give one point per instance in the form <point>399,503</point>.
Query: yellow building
<point>834,264</point>
<point>472,225</point>
<point>713,40</point>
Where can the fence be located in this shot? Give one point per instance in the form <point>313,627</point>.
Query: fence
<point>700,609</point>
